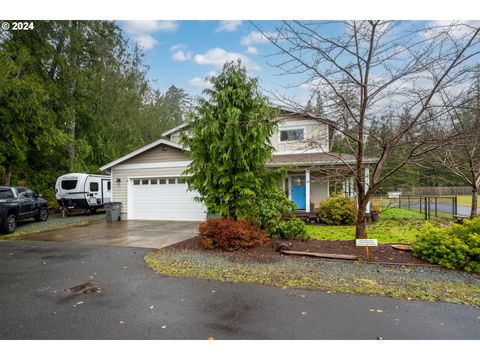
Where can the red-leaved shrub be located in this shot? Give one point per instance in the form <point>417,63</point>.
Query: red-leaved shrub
<point>230,235</point>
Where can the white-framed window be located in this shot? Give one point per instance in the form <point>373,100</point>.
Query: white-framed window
<point>287,135</point>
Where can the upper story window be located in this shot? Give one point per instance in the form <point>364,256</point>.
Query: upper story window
<point>292,135</point>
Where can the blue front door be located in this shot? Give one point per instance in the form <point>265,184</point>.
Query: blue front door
<point>297,183</point>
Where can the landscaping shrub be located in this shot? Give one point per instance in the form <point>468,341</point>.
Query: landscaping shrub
<point>292,228</point>
<point>337,210</point>
<point>230,235</point>
<point>455,247</point>
<point>273,213</point>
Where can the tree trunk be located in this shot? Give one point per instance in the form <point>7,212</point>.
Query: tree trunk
<point>7,176</point>
<point>360,228</point>
<point>71,146</point>
<point>474,211</point>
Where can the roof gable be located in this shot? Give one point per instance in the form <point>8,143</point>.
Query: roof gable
<point>141,150</point>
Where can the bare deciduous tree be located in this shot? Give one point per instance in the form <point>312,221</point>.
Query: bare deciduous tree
<point>461,155</point>
<point>378,81</point>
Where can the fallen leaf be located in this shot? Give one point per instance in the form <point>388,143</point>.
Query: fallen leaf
<point>53,313</point>
<point>304,313</point>
<point>213,291</point>
<point>380,311</point>
<point>211,338</point>
<point>372,310</point>
<point>164,326</point>
<point>151,307</point>
<point>379,338</point>
<point>121,322</point>
<point>78,303</point>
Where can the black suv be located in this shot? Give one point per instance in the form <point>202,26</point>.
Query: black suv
<point>17,203</point>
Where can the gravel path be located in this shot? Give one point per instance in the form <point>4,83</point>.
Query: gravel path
<point>407,282</point>
<point>55,221</point>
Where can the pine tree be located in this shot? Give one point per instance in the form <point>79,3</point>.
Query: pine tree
<point>229,142</point>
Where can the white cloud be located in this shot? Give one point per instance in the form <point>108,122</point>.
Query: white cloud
<point>181,55</point>
<point>255,37</point>
<point>141,31</point>
<point>252,50</point>
<point>229,25</point>
<point>145,42</point>
<point>177,47</point>
<point>199,82</point>
<point>218,57</point>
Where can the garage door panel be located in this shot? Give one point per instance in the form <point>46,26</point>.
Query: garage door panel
<point>164,202</point>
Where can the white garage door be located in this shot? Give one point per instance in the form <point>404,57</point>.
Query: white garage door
<point>163,199</point>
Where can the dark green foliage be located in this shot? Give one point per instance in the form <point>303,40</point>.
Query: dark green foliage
<point>337,210</point>
<point>455,247</point>
<point>73,97</point>
<point>230,235</point>
<point>229,142</point>
<point>273,213</point>
<point>292,228</point>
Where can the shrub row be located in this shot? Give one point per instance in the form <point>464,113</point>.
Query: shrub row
<point>455,247</point>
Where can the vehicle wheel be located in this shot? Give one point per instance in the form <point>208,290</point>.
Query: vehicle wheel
<point>10,224</point>
<point>88,212</point>
<point>93,210</point>
<point>43,216</point>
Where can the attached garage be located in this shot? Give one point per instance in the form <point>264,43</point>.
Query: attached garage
<point>162,198</point>
<point>151,186</point>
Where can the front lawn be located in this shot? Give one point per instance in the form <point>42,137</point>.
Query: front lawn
<point>395,225</point>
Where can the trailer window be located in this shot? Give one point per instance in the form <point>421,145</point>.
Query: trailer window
<point>6,194</point>
<point>69,184</point>
<point>109,185</point>
<point>145,182</point>
<point>153,181</point>
<point>136,182</point>
<point>93,186</point>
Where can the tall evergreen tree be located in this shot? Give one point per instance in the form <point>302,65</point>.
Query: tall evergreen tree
<point>230,143</point>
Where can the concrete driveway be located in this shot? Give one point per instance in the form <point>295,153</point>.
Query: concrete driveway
<point>133,233</point>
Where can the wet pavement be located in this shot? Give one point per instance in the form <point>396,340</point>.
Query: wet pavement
<point>136,303</point>
<point>136,233</point>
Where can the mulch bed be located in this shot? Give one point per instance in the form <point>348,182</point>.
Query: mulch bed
<point>266,254</point>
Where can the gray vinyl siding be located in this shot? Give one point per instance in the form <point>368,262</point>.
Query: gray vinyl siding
<point>120,189</point>
<point>318,192</point>
<point>158,154</point>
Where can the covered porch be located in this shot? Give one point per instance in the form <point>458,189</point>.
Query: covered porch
<point>311,178</point>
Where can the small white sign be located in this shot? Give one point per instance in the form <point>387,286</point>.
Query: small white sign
<point>366,242</point>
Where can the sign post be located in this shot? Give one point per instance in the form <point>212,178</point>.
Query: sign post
<point>367,243</point>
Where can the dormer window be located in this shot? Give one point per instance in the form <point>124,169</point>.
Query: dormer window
<point>292,135</point>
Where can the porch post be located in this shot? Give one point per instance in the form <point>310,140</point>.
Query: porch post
<point>367,184</point>
<point>307,190</point>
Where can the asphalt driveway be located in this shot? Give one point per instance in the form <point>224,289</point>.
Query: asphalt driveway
<point>136,233</point>
<point>136,303</point>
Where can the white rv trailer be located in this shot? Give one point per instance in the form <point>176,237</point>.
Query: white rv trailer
<point>83,191</point>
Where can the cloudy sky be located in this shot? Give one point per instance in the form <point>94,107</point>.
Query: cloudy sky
<point>183,53</point>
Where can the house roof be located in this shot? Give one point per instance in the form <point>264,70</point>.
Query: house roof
<point>315,159</point>
<point>141,150</point>
<point>176,128</point>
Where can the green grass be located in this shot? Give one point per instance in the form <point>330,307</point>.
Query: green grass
<point>367,279</point>
<point>395,225</point>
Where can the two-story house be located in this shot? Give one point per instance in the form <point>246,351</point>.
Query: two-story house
<point>150,185</point>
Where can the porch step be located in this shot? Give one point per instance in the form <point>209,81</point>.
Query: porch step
<point>303,214</point>
<point>308,217</point>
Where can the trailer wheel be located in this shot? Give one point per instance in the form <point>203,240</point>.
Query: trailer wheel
<point>88,211</point>
<point>10,224</point>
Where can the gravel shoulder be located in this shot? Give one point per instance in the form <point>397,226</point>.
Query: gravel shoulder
<point>420,282</point>
<point>55,221</point>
